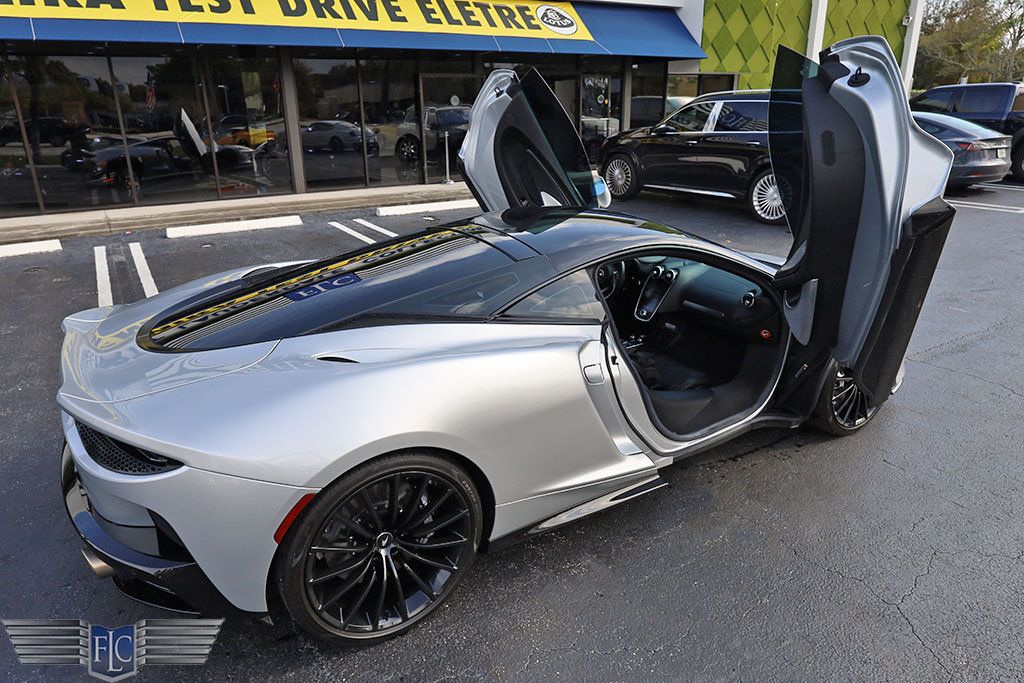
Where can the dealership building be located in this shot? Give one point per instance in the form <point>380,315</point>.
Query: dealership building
<point>214,99</point>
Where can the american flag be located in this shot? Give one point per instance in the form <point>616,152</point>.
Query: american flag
<point>150,94</point>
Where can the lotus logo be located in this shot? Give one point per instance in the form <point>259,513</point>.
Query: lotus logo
<point>556,19</point>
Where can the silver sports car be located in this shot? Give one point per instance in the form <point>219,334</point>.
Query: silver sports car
<point>336,440</point>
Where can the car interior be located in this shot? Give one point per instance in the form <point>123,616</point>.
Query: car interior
<point>703,342</point>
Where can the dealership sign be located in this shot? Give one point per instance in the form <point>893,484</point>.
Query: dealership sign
<point>522,19</point>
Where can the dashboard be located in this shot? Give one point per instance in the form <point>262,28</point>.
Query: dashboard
<point>658,286</point>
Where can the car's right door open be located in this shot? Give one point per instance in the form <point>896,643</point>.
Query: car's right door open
<point>863,191</point>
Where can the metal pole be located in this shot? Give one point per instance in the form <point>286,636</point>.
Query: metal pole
<point>133,190</point>
<point>9,77</point>
<point>447,169</point>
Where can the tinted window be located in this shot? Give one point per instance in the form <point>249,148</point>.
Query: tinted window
<point>743,117</point>
<point>569,298</point>
<point>432,275</point>
<point>931,128</point>
<point>693,117</point>
<point>980,100</point>
<point>934,101</point>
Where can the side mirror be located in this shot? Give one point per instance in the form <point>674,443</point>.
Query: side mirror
<point>601,192</point>
<point>661,129</point>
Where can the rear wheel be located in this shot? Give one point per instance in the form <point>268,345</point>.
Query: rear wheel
<point>622,177</point>
<point>765,199</point>
<point>1017,164</point>
<point>842,407</point>
<point>336,144</point>
<point>381,548</point>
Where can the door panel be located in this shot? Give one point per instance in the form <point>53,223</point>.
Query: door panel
<point>671,153</point>
<point>866,205</point>
<point>522,149</point>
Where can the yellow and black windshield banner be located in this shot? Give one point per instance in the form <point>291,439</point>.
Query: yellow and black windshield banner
<point>522,19</point>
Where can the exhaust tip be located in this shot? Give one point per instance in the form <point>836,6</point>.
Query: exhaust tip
<point>98,566</point>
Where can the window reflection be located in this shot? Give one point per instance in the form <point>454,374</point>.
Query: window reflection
<point>330,123</point>
<point>389,101</point>
<point>246,118</point>
<point>17,194</point>
<point>69,113</point>
<point>163,108</point>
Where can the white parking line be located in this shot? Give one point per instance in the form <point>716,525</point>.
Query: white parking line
<point>22,248</point>
<point>234,226</point>
<point>103,294</point>
<point>405,209</point>
<point>985,207</point>
<point>357,235</point>
<point>1012,188</point>
<point>142,267</point>
<point>372,226</point>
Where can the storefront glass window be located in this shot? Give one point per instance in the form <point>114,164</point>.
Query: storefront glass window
<point>684,87</point>
<point>389,102</point>
<point>330,123</point>
<point>17,194</point>
<point>600,102</point>
<point>246,115</point>
<point>447,102</point>
<point>647,103</point>
<point>70,119</point>
<point>164,118</point>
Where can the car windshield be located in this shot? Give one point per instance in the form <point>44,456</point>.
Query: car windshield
<point>453,117</point>
<point>786,131</point>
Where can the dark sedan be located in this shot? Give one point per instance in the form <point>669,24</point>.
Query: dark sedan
<point>980,154</point>
<point>716,145</point>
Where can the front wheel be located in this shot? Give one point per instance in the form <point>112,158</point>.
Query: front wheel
<point>842,407</point>
<point>381,548</point>
<point>765,199</point>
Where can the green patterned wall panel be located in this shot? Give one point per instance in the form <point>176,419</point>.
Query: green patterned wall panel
<point>741,36</point>
<point>846,19</point>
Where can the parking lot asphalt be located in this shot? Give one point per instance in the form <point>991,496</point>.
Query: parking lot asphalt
<point>893,554</point>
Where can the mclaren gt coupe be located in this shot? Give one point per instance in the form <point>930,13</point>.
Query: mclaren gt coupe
<point>334,441</point>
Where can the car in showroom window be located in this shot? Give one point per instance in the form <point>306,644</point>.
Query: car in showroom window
<point>714,146</point>
<point>334,441</point>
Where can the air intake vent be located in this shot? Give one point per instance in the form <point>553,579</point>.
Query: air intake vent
<point>118,456</point>
<point>828,148</point>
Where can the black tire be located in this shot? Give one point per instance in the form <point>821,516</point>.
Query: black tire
<point>763,199</point>
<point>1017,163</point>
<point>124,182</point>
<point>365,514</point>
<point>622,177</point>
<point>407,149</point>
<point>336,144</point>
<point>842,408</point>
<point>57,140</point>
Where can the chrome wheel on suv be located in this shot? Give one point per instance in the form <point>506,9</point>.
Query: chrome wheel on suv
<point>766,199</point>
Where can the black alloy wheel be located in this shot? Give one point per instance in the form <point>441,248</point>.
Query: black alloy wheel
<point>843,407</point>
<point>408,150</point>
<point>380,549</point>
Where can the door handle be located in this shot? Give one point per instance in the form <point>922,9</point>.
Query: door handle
<point>691,142</point>
<point>754,143</point>
<point>593,374</point>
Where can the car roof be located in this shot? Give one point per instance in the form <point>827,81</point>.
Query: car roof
<point>734,96</point>
<point>1004,84</point>
<point>968,128</point>
<point>570,237</point>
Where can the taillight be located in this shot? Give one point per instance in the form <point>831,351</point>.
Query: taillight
<point>968,146</point>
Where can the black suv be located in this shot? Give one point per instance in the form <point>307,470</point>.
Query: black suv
<point>999,106</point>
<point>717,145</point>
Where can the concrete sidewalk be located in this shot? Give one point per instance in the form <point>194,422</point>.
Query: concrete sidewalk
<point>26,228</point>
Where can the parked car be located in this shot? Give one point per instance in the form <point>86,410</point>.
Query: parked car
<point>980,154</point>
<point>453,120</point>
<point>80,159</point>
<point>53,130</point>
<point>247,136</point>
<point>337,136</point>
<point>717,145</point>
<point>337,439</point>
<point>999,106</point>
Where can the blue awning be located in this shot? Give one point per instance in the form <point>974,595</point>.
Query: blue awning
<point>626,30</point>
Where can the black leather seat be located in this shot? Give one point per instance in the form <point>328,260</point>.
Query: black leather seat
<point>664,373</point>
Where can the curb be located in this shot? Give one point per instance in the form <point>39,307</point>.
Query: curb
<point>133,218</point>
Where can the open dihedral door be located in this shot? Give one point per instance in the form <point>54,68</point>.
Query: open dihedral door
<point>862,186</point>
<point>522,149</point>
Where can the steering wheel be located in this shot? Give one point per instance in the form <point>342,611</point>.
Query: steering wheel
<point>610,276</point>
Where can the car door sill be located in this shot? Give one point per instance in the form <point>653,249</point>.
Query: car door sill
<point>709,193</point>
